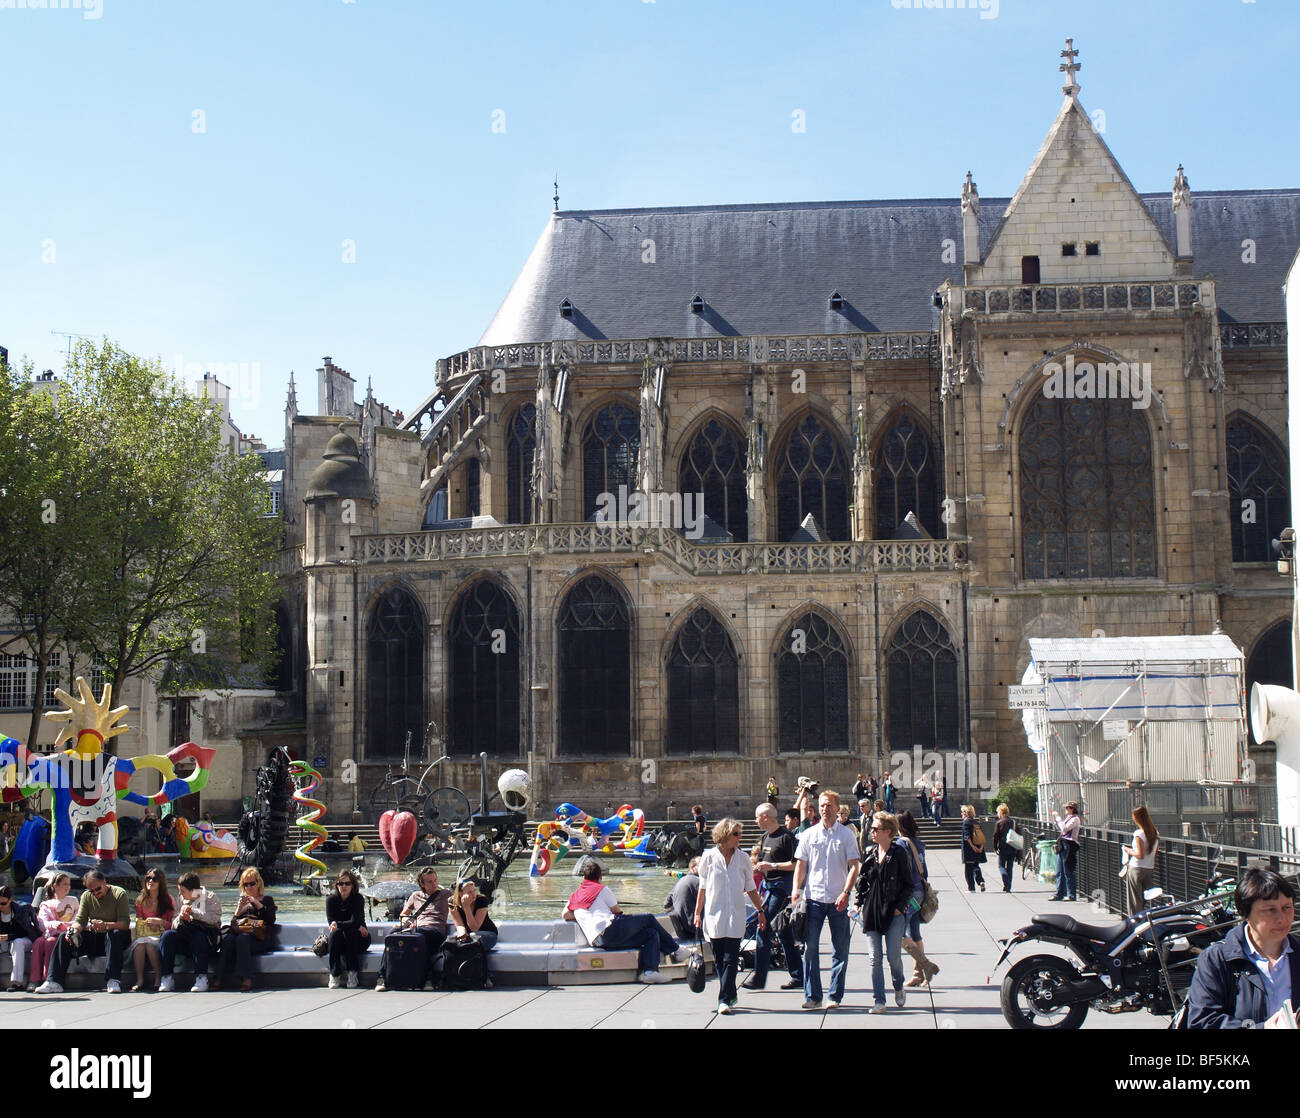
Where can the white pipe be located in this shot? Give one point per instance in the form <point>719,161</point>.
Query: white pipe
<point>1275,717</point>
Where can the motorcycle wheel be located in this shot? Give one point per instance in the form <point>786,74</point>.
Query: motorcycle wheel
<point>1030,992</point>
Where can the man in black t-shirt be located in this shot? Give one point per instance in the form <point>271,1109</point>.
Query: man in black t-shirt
<point>776,864</point>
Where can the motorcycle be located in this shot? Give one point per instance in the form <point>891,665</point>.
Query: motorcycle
<point>1145,961</point>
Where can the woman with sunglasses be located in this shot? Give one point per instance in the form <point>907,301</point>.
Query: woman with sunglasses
<point>154,912</point>
<point>254,910</point>
<point>349,937</point>
<point>726,878</point>
<point>469,913</point>
<point>884,896</point>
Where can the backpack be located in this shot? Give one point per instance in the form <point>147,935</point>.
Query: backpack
<point>977,836</point>
<point>464,964</point>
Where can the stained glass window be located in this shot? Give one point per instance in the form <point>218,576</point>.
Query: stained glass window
<point>595,687</point>
<point>394,674</point>
<point>812,670</point>
<point>714,464</point>
<point>1259,497</point>
<point>609,454</point>
<point>907,479</point>
<point>483,699</point>
<point>923,699</point>
<point>812,476</point>
<point>521,441</point>
<point>703,688</point>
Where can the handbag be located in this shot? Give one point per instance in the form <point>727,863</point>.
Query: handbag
<point>930,905</point>
<point>695,969</point>
<point>1014,839</point>
<point>248,925</point>
<point>321,945</point>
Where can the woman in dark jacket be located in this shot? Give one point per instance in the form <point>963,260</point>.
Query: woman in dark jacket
<point>349,937</point>
<point>972,853</point>
<point>1004,850</point>
<point>1228,988</point>
<point>255,911</point>
<point>884,895</point>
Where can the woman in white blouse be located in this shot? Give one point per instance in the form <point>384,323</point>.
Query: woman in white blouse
<point>1141,859</point>
<point>726,878</point>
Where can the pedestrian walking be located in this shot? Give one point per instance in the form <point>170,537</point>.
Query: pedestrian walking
<point>1067,850</point>
<point>923,970</point>
<point>1139,869</point>
<point>888,791</point>
<point>776,864</point>
<point>726,878</point>
<point>972,848</point>
<point>826,864</point>
<point>1004,850</point>
<point>937,795</point>
<point>884,894</point>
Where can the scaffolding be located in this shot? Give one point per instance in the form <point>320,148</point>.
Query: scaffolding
<point>1123,712</point>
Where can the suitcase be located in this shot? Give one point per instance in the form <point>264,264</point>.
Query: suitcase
<point>406,960</point>
<point>464,965</point>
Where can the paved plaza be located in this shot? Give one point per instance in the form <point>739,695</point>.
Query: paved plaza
<point>962,940</point>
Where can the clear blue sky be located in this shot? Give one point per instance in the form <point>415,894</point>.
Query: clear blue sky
<point>373,121</point>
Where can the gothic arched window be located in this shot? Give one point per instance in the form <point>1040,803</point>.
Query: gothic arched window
<point>703,688</point>
<point>394,674</point>
<point>609,453</point>
<point>521,442</point>
<point>595,686</point>
<point>1257,472</point>
<point>923,705</point>
<point>483,696</point>
<point>812,476</point>
<point>812,672</point>
<point>1088,510</point>
<point>714,464</point>
<point>436,512</point>
<point>907,479</point>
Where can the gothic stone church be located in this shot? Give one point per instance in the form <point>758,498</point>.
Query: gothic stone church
<point>896,501</point>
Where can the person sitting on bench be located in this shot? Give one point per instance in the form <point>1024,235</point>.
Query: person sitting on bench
<point>606,926</point>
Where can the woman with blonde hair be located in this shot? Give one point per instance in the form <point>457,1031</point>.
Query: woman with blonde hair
<point>251,931</point>
<point>1141,859</point>
<point>884,897</point>
<point>726,878</point>
<point>972,848</point>
<point>469,913</point>
<point>1004,850</point>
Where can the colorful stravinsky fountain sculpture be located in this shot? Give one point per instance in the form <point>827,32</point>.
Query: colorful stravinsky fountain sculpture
<point>84,781</point>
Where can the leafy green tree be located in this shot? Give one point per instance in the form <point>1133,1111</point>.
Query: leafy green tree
<point>44,520</point>
<point>181,563</point>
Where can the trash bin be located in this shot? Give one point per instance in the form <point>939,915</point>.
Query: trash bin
<point>1047,862</point>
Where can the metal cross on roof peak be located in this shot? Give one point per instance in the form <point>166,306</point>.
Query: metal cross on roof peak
<point>1069,68</point>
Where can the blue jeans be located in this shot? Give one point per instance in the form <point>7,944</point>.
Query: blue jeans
<point>726,961</point>
<point>912,922</point>
<point>642,932</point>
<point>936,811</point>
<point>819,914</point>
<point>189,938</point>
<point>775,898</point>
<point>1006,866</point>
<point>892,940</point>
<point>1067,884</point>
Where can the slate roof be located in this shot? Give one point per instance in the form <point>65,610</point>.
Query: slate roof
<point>771,268</point>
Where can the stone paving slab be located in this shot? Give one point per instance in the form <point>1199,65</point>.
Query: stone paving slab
<point>962,940</point>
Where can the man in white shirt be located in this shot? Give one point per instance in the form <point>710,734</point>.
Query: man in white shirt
<point>606,926</point>
<point>826,862</point>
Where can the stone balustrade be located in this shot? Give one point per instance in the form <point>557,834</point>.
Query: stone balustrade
<point>850,557</point>
<point>1053,298</point>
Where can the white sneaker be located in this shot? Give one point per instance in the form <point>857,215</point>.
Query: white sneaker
<point>654,978</point>
<point>877,1009</point>
<point>354,980</point>
<point>380,987</point>
<point>113,986</point>
<point>678,956</point>
<point>49,986</point>
<point>832,1004</point>
<point>724,1009</point>
<point>334,981</point>
<point>200,985</point>
<point>900,998</point>
<point>167,985</point>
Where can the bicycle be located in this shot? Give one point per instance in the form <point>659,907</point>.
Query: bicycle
<point>1029,860</point>
<point>440,809</point>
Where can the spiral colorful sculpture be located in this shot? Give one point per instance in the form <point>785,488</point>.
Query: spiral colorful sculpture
<point>300,769</point>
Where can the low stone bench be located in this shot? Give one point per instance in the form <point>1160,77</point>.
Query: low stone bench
<point>528,953</point>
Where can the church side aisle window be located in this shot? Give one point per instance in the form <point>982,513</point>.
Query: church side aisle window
<point>922,706</point>
<point>1259,501</point>
<point>595,646</point>
<point>714,464</point>
<point>1086,492</point>
<point>521,441</point>
<point>812,671</point>
<point>906,479</point>
<point>812,477</point>
<point>394,674</point>
<point>609,454</point>
<point>703,688</point>
<point>483,698</point>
